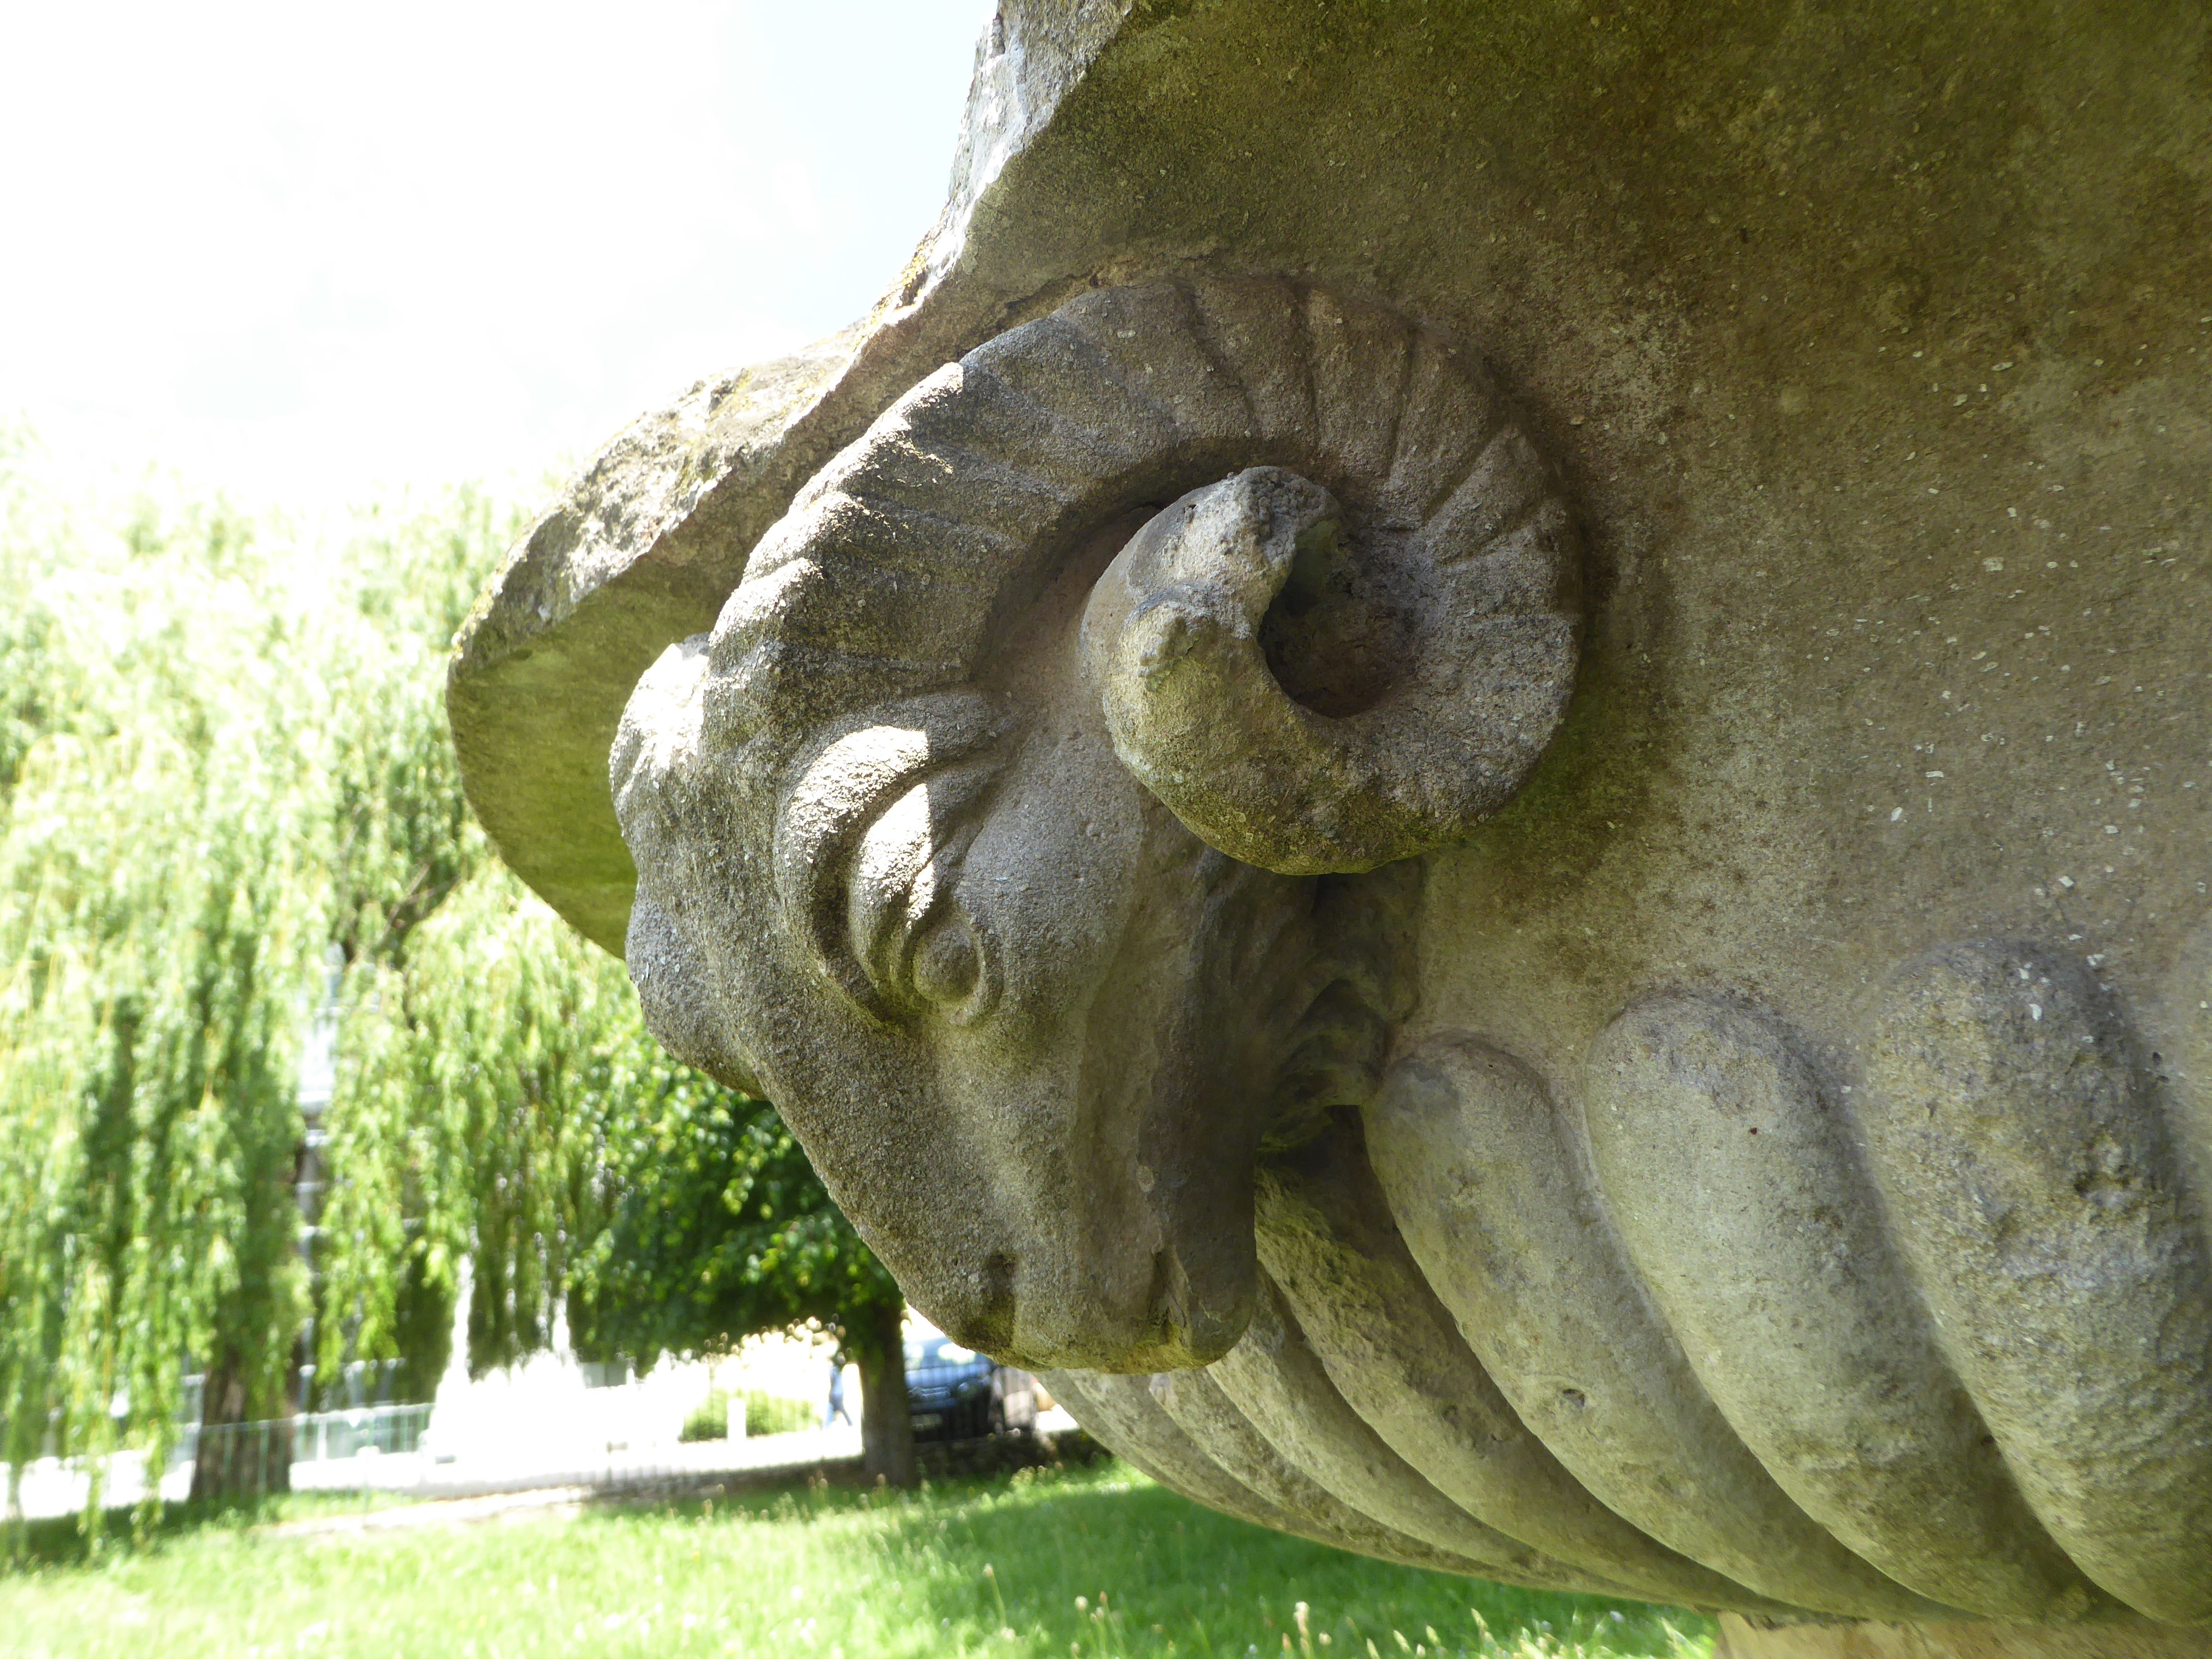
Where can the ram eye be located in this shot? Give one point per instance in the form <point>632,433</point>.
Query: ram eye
<point>869,841</point>
<point>920,948</point>
<point>947,964</point>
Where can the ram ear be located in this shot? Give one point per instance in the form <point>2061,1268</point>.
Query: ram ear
<point>1433,670</point>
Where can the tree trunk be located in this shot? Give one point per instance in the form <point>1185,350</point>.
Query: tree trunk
<point>236,1459</point>
<point>879,1347</point>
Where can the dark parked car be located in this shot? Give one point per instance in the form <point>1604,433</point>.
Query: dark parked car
<point>957,1394</point>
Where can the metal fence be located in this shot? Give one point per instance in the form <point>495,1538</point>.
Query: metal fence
<point>324,1452</point>
<point>252,1456</point>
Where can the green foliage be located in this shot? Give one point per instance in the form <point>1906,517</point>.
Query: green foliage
<point>717,1227</point>
<point>765,1414</point>
<point>500,1099</point>
<point>161,911</point>
<point>1012,1568</point>
<point>482,1067</point>
<point>223,757</point>
<point>221,750</point>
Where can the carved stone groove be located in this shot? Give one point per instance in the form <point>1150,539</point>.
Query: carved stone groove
<point>1609,987</point>
<point>874,810</point>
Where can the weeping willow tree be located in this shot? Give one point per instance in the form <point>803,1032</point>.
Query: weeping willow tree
<point>221,753</point>
<point>224,764</point>
<point>515,1030</point>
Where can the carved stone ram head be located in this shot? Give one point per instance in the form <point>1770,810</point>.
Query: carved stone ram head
<point>998,830</point>
<point>1673,1059</point>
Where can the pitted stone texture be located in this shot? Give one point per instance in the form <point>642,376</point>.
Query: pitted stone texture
<point>644,546</point>
<point>840,798</point>
<point>641,550</point>
<point>1487,1177</point>
<point>1732,1178</point>
<point>898,566</point>
<point>2041,1202</point>
<point>1365,767</point>
<point>1274,1379</point>
<point>1392,1350</point>
<point>1742,1639</point>
<point>1867,344</point>
<point>1699,1307</point>
<point>899,824</point>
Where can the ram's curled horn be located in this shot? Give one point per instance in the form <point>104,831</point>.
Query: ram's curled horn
<point>1382,669</point>
<point>1176,638</point>
<point>1317,686</point>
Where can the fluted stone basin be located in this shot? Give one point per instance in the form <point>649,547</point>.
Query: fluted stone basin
<point>1466,759</point>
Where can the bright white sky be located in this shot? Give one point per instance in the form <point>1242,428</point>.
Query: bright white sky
<point>306,253</point>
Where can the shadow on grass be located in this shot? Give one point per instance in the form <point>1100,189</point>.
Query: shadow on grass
<point>1113,1564</point>
<point>1088,1559</point>
<point>65,1542</point>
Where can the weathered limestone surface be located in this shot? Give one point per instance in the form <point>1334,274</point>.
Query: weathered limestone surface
<point>1470,756</point>
<point>642,549</point>
<point>1740,1640</point>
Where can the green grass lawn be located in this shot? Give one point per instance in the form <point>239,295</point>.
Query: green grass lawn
<point>1087,1562</point>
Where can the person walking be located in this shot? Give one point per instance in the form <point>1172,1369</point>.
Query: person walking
<point>836,1392</point>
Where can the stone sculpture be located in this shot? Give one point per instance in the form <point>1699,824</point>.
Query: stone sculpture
<point>1438,1023</point>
